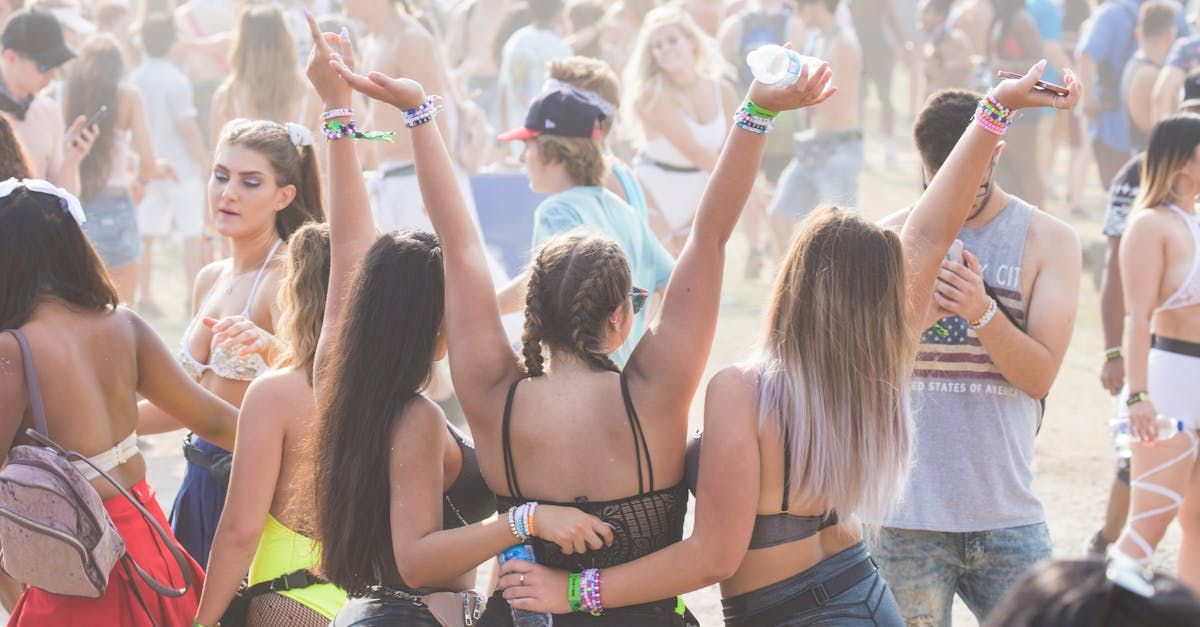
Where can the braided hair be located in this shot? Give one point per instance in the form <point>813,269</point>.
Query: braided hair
<point>576,280</point>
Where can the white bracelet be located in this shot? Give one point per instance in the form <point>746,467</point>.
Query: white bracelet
<point>986,318</point>
<point>336,113</point>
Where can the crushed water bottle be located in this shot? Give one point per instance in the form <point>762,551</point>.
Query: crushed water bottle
<point>1167,428</point>
<point>525,618</point>
<point>779,66</point>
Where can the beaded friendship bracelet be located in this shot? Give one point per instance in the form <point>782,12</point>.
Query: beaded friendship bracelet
<point>993,116</point>
<point>985,318</point>
<point>590,591</point>
<point>520,520</point>
<point>754,123</point>
<point>424,113</point>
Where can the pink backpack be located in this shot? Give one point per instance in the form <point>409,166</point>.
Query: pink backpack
<point>54,530</point>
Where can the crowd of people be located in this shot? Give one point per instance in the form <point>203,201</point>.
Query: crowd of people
<point>313,166</point>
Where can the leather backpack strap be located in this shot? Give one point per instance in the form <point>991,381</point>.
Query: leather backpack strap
<point>31,383</point>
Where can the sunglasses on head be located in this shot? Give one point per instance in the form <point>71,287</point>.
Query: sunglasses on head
<point>639,297</point>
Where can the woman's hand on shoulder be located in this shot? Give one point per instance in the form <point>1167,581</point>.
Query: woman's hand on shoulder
<point>810,89</point>
<point>533,587</point>
<point>571,529</point>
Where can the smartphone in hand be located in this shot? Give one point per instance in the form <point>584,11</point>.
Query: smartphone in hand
<point>1042,85</point>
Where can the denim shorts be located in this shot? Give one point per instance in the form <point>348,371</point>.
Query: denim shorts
<point>824,171</point>
<point>927,568</point>
<point>112,227</point>
<point>866,603</point>
<point>380,612</point>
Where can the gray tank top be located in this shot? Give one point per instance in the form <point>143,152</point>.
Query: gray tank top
<point>974,430</point>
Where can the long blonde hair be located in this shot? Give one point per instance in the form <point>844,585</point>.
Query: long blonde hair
<point>302,295</point>
<point>1172,145</point>
<point>265,64</point>
<point>644,79</point>
<point>835,364</point>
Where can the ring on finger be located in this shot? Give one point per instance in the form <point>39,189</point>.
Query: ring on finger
<point>522,579</point>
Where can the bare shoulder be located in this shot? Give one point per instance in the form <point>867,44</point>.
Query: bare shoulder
<point>420,419</point>
<point>207,276</point>
<point>734,385</point>
<point>284,393</point>
<point>1053,235</point>
<point>1148,223</point>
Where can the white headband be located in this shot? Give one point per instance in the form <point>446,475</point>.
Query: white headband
<point>66,200</point>
<point>299,134</point>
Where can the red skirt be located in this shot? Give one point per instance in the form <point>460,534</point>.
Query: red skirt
<point>119,605</point>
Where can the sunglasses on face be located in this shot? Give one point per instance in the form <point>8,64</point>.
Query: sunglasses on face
<point>639,297</point>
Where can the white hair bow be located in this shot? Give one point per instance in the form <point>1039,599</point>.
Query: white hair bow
<point>299,134</point>
<point>66,200</point>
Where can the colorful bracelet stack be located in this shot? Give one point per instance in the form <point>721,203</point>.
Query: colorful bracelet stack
<point>520,521</point>
<point>334,128</point>
<point>985,318</point>
<point>993,116</point>
<point>754,118</point>
<point>590,591</point>
<point>424,113</point>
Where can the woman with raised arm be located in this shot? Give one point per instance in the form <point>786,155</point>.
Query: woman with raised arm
<point>265,525</point>
<point>559,430</point>
<point>1161,248</point>
<point>400,504</point>
<point>77,361</point>
<point>264,185</point>
<point>818,420</point>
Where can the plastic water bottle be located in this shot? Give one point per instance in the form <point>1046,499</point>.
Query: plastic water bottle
<point>778,66</point>
<point>1167,428</point>
<point>525,618</point>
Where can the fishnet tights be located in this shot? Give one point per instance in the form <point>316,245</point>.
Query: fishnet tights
<point>276,610</point>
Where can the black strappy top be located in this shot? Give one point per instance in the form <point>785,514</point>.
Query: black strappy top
<point>642,524</point>
<point>769,529</point>
<point>468,500</point>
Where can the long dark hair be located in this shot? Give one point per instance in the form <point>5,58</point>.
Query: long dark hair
<point>43,252</point>
<point>381,358</point>
<point>93,82</point>
<point>14,161</point>
<point>291,166</point>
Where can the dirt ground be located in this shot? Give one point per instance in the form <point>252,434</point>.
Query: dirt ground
<point>1074,456</point>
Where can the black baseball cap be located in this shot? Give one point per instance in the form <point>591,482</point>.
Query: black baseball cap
<point>562,112</point>
<point>1191,91</point>
<point>36,35</point>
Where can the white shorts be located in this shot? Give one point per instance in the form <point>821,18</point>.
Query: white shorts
<point>1171,378</point>
<point>168,203</point>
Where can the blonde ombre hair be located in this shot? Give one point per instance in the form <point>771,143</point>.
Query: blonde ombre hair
<point>835,364</point>
<point>1172,145</point>
<point>302,296</point>
<point>644,79</point>
<point>265,64</point>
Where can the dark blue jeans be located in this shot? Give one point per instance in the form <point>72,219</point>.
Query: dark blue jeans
<point>927,568</point>
<point>867,602</point>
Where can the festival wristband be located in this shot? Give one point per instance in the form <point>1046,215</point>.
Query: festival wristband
<point>336,129</point>
<point>758,111</point>
<point>574,596</point>
<point>336,113</point>
<point>1112,354</point>
<point>1137,397</point>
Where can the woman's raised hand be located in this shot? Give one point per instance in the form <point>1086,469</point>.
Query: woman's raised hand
<point>327,47</point>
<point>571,529</point>
<point>809,90</point>
<point>402,93</point>
<point>1019,93</point>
